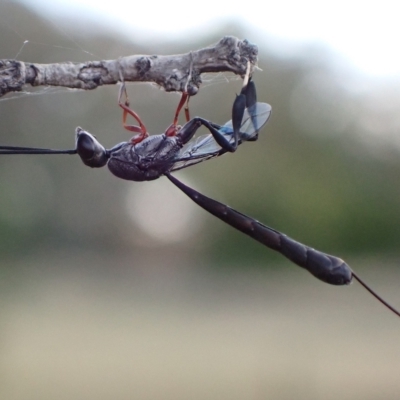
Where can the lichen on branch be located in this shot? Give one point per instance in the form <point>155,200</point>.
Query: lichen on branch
<point>170,72</point>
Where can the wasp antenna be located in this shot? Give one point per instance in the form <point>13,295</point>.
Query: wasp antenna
<point>376,295</point>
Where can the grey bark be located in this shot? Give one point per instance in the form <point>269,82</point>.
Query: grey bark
<point>170,72</point>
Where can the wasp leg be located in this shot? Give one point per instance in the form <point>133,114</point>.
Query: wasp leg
<point>250,92</point>
<point>141,129</point>
<point>238,108</point>
<point>173,129</point>
<point>189,129</point>
<point>246,99</point>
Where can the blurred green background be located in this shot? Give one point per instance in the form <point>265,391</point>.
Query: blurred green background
<point>114,289</point>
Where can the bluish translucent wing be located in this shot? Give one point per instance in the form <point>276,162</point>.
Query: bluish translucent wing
<point>205,147</point>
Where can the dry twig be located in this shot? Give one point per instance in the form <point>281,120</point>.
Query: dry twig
<point>170,72</point>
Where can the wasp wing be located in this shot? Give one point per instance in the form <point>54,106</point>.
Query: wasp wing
<point>205,147</point>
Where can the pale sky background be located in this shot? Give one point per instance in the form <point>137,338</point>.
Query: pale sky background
<point>366,33</point>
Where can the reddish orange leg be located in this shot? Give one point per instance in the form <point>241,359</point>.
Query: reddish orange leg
<point>187,115</point>
<point>184,99</point>
<point>173,129</point>
<point>141,129</point>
